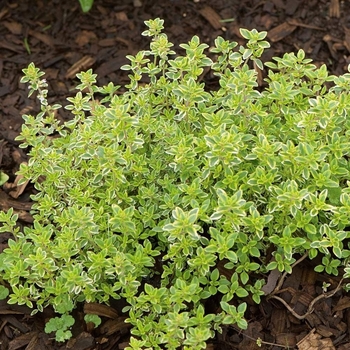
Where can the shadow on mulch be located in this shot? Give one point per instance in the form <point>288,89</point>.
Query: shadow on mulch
<point>61,40</point>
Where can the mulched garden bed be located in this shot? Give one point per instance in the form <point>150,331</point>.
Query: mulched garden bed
<point>61,40</point>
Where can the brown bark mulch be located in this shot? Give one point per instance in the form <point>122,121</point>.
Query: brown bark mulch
<point>297,313</point>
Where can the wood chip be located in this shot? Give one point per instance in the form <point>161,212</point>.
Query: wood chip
<point>253,332</point>
<point>6,44</point>
<point>281,31</point>
<point>212,17</point>
<point>15,323</point>
<point>8,312</point>
<point>124,41</point>
<point>347,38</point>
<point>6,202</point>
<point>272,280</point>
<point>342,327</point>
<point>22,340</point>
<point>329,41</point>
<point>345,346</point>
<point>114,326</point>
<point>121,16</point>
<point>84,63</point>
<point>301,297</point>
<point>278,321</point>
<point>111,66</point>
<point>103,10</point>
<point>291,7</point>
<point>46,39</point>
<point>137,3</point>
<point>3,12</point>
<point>100,310</point>
<point>51,73</point>
<point>289,340</point>
<point>84,341</point>
<point>18,189</point>
<point>85,37</point>
<point>313,341</point>
<point>13,27</point>
<point>342,304</point>
<point>324,331</point>
<point>33,344</point>
<point>1,66</point>
<point>295,22</point>
<point>108,42</point>
<point>308,276</point>
<point>279,4</point>
<point>334,9</point>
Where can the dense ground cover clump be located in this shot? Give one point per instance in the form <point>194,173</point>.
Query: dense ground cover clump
<point>144,192</point>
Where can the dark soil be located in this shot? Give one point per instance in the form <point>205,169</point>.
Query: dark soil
<point>61,40</point>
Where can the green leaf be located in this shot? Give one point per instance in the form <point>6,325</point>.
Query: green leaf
<point>192,215</point>
<point>242,308</point>
<point>334,194</point>
<point>242,323</point>
<point>262,35</point>
<point>259,64</point>
<point>244,277</point>
<point>62,335</point>
<point>86,5</point>
<point>96,320</point>
<point>216,216</point>
<point>224,289</point>
<point>215,274</point>
<point>232,256</point>
<point>245,33</point>
<point>241,292</point>
<point>338,252</point>
<point>247,53</point>
<point>4,292</point>
<point>272,265</point>
<point>3,178</point>
<point>319,268</point>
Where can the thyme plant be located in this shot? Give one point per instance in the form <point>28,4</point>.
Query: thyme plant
<point>146,194</point>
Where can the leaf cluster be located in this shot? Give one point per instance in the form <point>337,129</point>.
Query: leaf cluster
<point>168,194</point>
